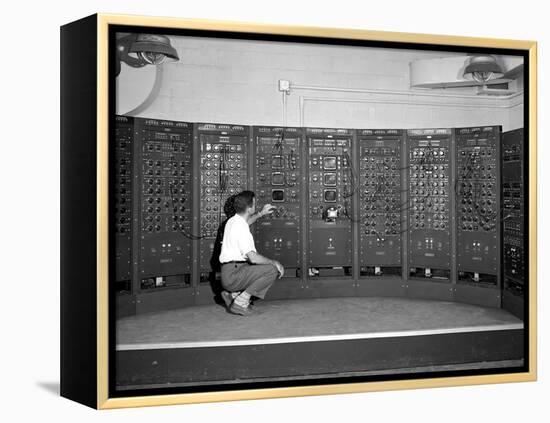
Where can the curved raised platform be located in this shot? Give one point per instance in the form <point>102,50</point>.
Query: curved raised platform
<point>307,320</point>
<point>294,338</point>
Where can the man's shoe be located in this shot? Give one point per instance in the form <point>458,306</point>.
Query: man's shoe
<point>240,310</point>
<point>227,298</point>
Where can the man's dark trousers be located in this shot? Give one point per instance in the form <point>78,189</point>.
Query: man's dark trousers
<point>255,279</point>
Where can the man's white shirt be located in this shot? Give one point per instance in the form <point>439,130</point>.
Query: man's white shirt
<point>237,240</point>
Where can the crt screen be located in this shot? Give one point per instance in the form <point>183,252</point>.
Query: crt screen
<point>330,195</point>
<point>277,178</point>
<point>329,162</point>
<point>277,162</point>
<point>278,195</point>
<point>330,179</point>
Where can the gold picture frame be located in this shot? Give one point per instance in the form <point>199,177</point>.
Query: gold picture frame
<point>97,394</point>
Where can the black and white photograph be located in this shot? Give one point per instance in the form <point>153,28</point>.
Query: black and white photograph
<point>287,211</point>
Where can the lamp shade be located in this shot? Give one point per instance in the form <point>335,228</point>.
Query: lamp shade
<point>154,49</point>
<point>482,69</point>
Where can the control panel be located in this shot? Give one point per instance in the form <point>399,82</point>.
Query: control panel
<point>332,186</point>
<point>123,190</point>
<point>166,209</point>
<point>350,204</point>
<point>430,185</point>
<point>278,175</point>
<point>381,204</point>
<point>513,214</point>
<point>477,203</point>
<point>223,173</point>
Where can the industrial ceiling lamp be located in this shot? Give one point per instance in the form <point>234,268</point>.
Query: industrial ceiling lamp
<point>138,50</point>
<point>482,69</point>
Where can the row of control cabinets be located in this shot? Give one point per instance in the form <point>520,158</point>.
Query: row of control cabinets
<point>421,203</point>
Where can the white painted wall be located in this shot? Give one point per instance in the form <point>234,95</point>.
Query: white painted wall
<point>233,81</point>
<point>515,117</point>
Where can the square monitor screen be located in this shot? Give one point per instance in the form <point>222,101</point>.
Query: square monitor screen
<point>329,163</point>
<point>277,162</point>
<point>278,195</point>
<point>330,195</point>
<point>330,179</point>
<point>277,178</point>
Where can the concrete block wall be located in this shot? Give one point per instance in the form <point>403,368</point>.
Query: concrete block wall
<point>235,81</point>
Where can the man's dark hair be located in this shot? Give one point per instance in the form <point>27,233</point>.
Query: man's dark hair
<point>242,201</point>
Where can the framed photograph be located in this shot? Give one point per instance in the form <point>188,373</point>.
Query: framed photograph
<point>257,211</point>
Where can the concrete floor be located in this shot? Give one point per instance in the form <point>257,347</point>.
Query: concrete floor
<point>282,321</point>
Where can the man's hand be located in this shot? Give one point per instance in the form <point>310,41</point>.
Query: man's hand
<point>267,209</point>
<point>279,267</point>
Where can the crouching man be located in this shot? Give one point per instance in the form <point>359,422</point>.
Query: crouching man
<point>245,272</point>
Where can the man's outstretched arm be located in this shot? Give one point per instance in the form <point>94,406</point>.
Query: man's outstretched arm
<point>267,209</point>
